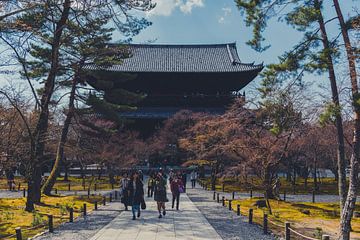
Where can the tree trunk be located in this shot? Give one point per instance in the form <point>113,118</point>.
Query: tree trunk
<point>294,181</point>
<point>66,174</point>
<point>341,163</point>
<point>349,206</point>
<point>315,176</point>
<point>34,183</point>
<point>49,184</point>
<point>267,183</point>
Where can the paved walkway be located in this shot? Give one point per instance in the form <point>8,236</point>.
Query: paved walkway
<point>187,223</point>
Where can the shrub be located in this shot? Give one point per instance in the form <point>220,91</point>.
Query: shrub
<point>37,219</point>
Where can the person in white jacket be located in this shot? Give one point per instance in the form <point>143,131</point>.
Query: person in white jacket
<point>124,190</point>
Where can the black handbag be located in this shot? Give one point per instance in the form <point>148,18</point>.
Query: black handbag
<point>143,204</point>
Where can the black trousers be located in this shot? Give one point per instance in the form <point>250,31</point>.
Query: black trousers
<point>150,191</point>
<point>193,183</point>
<point>176,196</point>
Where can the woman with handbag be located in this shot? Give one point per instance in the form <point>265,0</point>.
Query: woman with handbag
<point>160,193</point>
<point>136,194</point>
<point>176,187</point>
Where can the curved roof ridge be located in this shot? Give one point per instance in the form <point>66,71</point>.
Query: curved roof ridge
<point>182,58</point>
<point>178,45</point>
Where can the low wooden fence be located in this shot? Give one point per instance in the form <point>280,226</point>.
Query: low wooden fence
<point>49,226</point>
<point>288,231</point>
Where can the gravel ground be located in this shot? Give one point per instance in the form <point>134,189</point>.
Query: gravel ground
<point>85,228</point>
<point>226,223</point>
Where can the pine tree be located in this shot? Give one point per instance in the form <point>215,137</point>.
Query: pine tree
<point>47,28</point>
<point>315,53</point>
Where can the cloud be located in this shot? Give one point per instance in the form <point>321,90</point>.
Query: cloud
<point>221,20</point>
<point>166,7</point>
<point>226,11</point>
<point>189,4</point>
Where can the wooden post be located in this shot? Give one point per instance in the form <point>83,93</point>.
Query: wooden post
<point>71,213</point>
<point>214,196</point>
<point>69,187</point>
<point>104,200</point>
<point>95,205</point>
<point>51,223</point>
<point>238,210</point>
<point>284,196</point>
<point>95,187</point>
<point>18,233</point>
<point>325,237</point>
<point>287,231</point>
<point>19,187</point>
<point>313,196</point>
<point>110,198</point>
<point>251,195</point>
<point>250,215</point>
<point>55,190</point>
<point>230,208</point>
<point>223,187</point>
<point>233,195</point>
<point>218,198</point>
<point>84,209</point>
<point>88,192</point>
<point>265,223</point>
<point>24,192</point>
<point>223,201</point>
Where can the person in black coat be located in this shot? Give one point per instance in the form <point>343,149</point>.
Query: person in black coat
<point>136,194</point>
<point>184,179</point>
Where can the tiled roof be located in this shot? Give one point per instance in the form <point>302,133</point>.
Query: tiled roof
<point>182,58</point>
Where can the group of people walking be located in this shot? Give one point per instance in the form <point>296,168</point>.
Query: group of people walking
<point>132,190</point>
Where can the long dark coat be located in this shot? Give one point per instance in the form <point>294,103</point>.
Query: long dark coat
<point>135,198</point>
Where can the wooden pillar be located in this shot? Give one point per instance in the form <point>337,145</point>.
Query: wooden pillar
<point>287,231</point>
<point>51,223</point>
<point>18,233</point>
<point>251,215</point>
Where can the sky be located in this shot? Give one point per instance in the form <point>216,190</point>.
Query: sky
<point>219,21</point>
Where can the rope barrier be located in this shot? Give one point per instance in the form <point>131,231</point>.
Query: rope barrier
<point>275,224</point>
<point>301,235</point>
<point>26,229</point>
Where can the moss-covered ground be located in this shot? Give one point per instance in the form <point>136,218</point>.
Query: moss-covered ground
<point>310,219</point>
<point>76,183</point>
<point>325,185</point>
<point>12,213</point>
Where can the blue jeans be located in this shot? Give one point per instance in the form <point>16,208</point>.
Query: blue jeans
<point>134,208</point>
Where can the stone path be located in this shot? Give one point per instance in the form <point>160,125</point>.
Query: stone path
<point>187,223</point>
